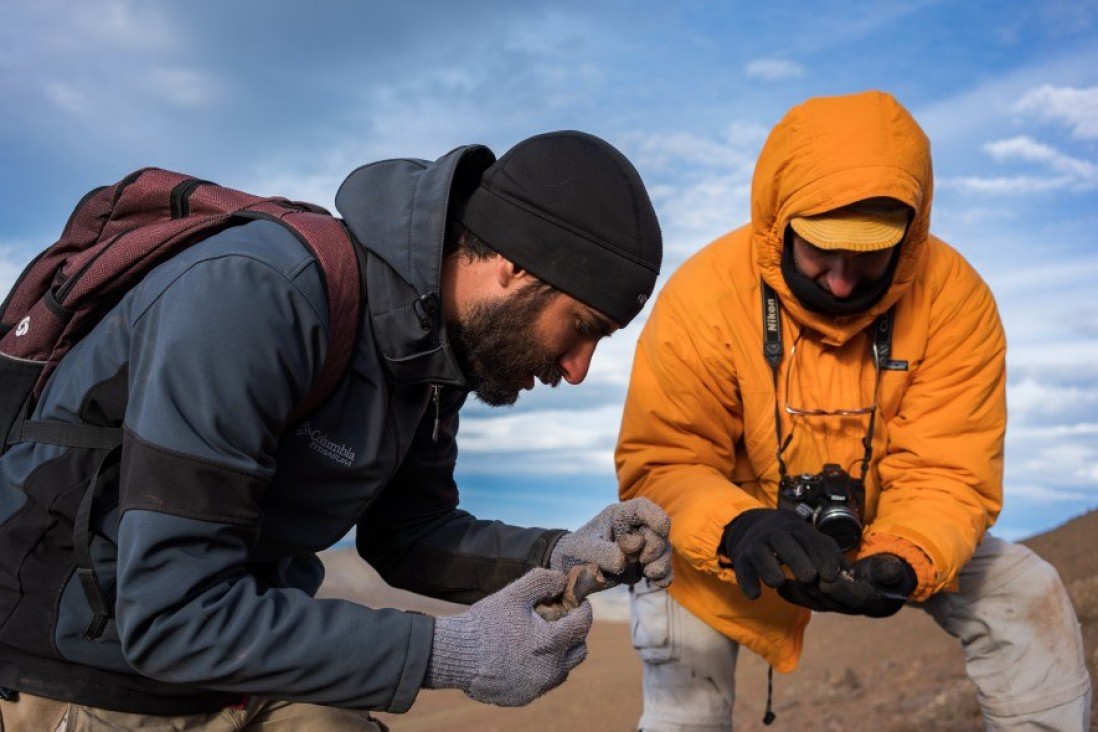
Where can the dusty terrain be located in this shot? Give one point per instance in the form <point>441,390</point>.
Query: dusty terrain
<point>896,675</point>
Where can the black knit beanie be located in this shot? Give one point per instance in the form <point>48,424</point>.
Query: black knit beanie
<point>571,209</point>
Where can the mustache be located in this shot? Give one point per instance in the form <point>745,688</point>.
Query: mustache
<point>551,375</point>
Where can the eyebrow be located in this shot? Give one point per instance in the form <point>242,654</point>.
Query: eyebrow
<point>605,326</point>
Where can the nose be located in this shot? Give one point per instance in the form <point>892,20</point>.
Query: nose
<point>576,362</point>
<point>842,277</point>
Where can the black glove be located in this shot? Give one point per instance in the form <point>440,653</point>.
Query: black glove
<point>759,541</point>
<point>878,586</point>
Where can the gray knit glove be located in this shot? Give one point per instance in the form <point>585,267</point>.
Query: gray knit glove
<point>628,541</point>
<point>501,652</point>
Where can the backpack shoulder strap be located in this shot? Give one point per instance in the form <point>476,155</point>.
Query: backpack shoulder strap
<point>343,270</point>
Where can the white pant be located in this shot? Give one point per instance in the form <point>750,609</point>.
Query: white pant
<point>1020,636</point>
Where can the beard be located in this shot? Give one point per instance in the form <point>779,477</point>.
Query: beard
<point>497,347</point>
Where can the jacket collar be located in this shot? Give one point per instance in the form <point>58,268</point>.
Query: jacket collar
<point>398,211</point>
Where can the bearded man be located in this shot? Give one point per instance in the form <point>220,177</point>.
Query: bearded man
<point>481,276</point>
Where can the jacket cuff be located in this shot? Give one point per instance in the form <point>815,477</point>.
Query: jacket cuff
<point>542,552</point>
<point>420,640</point>
<point>700,545</point>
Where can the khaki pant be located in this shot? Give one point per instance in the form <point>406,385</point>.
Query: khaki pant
<point>36,714</point>
<point>1012,615</point>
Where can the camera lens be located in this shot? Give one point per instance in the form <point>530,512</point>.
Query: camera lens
<point>841,524</point>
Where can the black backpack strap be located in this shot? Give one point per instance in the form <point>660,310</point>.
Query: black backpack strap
<point>102,609</point>
<point>69,434</point>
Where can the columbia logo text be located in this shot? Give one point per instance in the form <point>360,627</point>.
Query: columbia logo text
<point>319,443</point>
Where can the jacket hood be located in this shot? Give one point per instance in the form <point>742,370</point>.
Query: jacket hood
<point>830,152</point>
<point>398,210</point>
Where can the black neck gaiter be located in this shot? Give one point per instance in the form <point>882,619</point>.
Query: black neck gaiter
<point>818,300</point>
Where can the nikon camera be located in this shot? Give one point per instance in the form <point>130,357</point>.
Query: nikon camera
<point>830,500</point>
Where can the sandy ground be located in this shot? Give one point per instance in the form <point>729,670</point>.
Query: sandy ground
<point>895,675</point>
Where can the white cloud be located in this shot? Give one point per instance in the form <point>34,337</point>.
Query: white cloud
<point>1029,150</point>
<point>1077,108</point>
<point>63,28</point>
<point>972,215</point>
<point>573,441</point>
<point>1042,493</point>
<point>130,23</point>
<point>1012,185</point>
<point>1020,148</point>
<point>613,360</point>
<point>546,430</point>
<point>956,123</point>
<point>696,213</point>
<point>773,69</point>
<point>1033,399</point>
<point>674,150</point>
<point>1061,460</point>
<point>183,88</point>
<point>68,98</point>
<point>575,461</point>
<point>1064,171</point>
<point>702,183</point>
<point>1056,432</point>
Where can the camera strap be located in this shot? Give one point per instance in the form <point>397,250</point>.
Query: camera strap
<point>774,352</point>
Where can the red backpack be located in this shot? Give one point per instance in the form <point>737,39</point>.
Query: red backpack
<point>117,234</point>
<point>114,237</point>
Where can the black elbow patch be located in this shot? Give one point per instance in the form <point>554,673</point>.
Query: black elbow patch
<point>156,479</point>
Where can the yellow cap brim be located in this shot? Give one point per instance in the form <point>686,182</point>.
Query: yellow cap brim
<point>852,230</point>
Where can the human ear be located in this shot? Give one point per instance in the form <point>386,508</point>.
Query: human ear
<point>509,274</point>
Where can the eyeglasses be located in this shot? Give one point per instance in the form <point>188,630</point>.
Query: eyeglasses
<point>855,412</point>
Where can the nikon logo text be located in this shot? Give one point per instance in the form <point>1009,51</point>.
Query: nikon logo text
<point>771,315</point>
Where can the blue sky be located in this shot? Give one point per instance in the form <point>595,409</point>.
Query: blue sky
<point>287,98</point>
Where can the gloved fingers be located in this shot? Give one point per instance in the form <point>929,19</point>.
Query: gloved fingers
<point>850,595</point>
<point>537,585</point>
<point>658,571</point>
<point>869,600</point>
<point>632,543</point>
<point>607,554</point>
<point>806,595</point>
<point>884,570</point>
<point>574,656</point>
<point>662,575</point>
<point>768,566</point>
<point>654,547</point>
<point>822,551</point>
<point>788,550</point>
<point>747,576</point>
<point>640,512</point>
<point>570,629</point>
<point>647,554</point>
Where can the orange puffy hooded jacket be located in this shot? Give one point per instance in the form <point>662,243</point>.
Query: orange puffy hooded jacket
<point>698,435</point>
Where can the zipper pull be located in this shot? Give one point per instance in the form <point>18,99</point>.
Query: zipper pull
<point>436,392</point>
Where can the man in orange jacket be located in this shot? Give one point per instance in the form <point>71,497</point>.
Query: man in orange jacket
<point>818,401</point>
